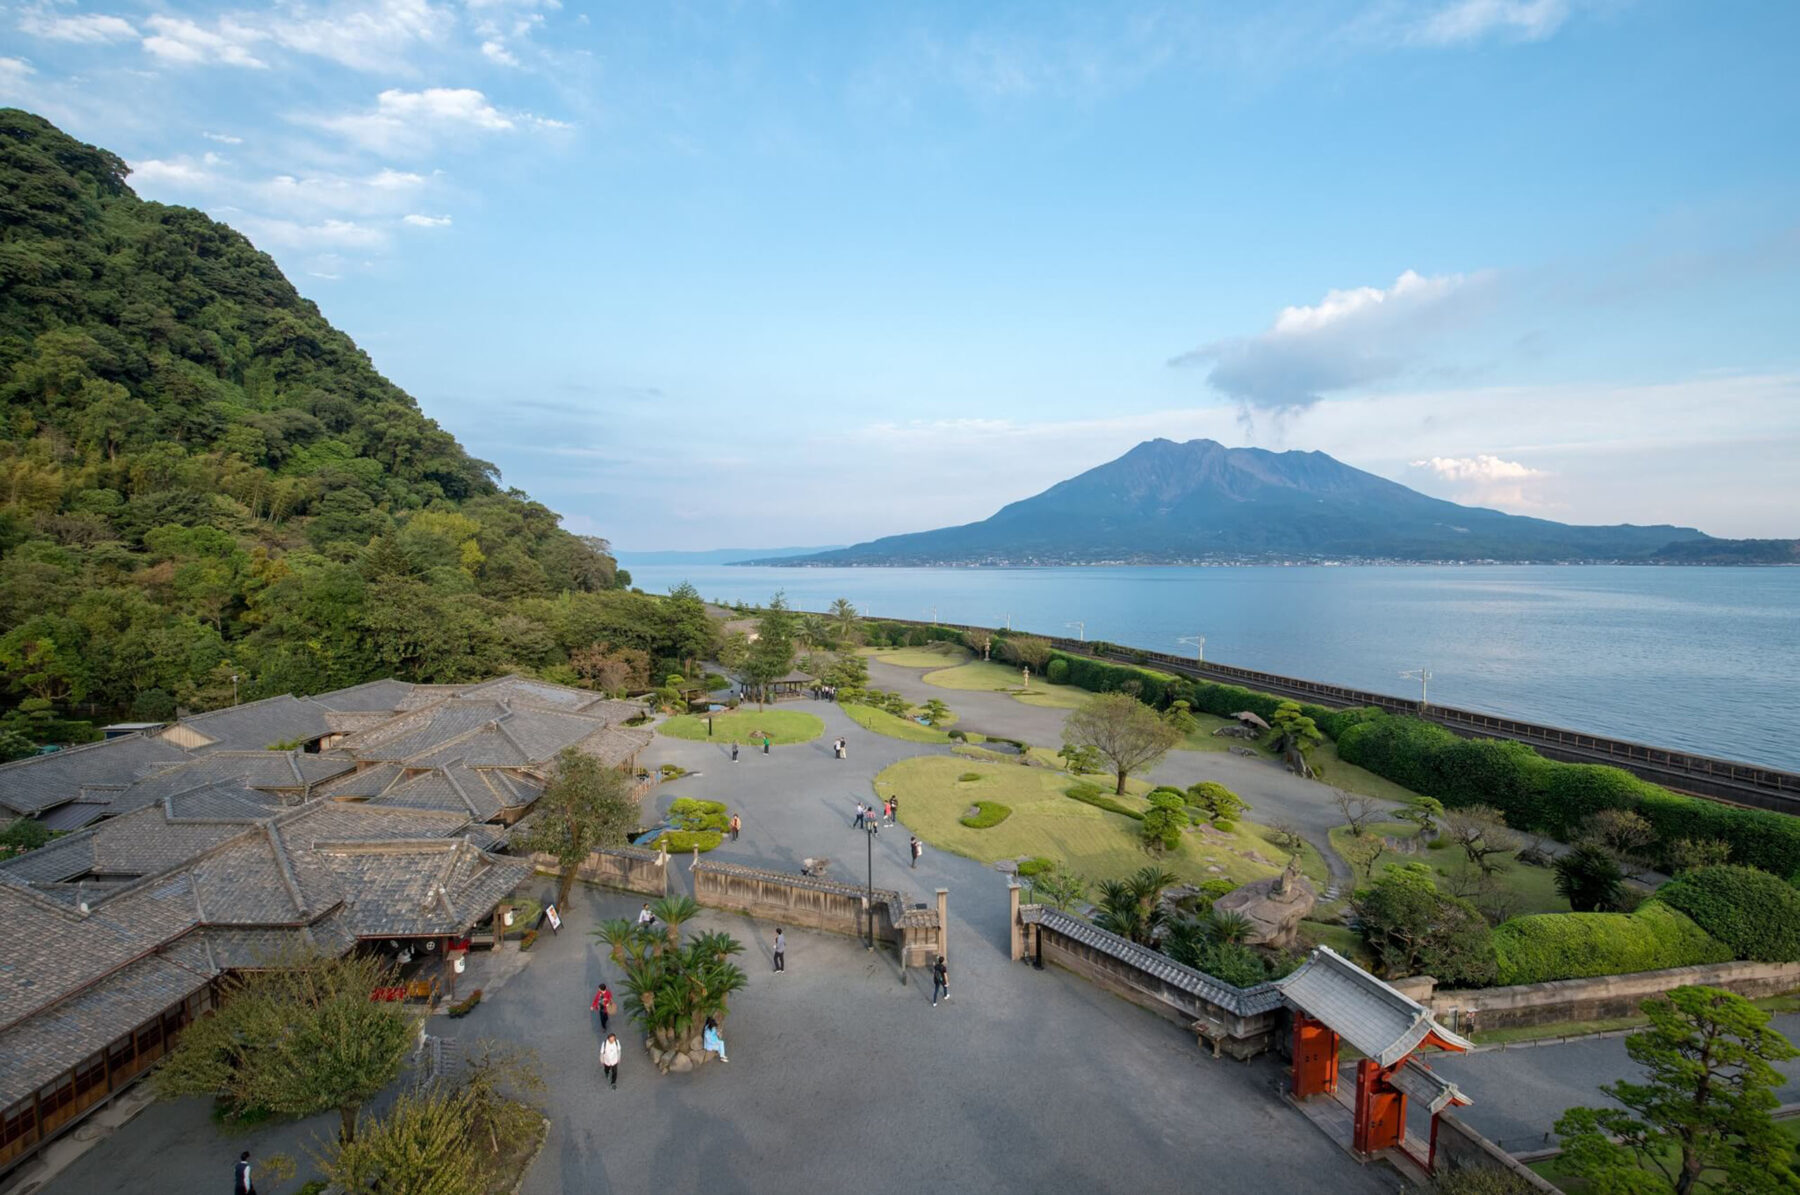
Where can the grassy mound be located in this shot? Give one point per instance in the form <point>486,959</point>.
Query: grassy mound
<point>882,722</point>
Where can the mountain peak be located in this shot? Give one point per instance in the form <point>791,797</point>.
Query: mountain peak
<point>1166,501</point>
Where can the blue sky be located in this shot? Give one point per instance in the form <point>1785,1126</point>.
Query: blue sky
<point>700,275</point>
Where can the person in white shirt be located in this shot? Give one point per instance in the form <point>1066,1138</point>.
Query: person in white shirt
<point>609,1059</point>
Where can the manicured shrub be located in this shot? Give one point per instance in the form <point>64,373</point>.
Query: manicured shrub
<point>959,735</point>
<point>986,814</point>
<point>1215,800</point>
<point>1225,825</point>
<point>466,1005</point>
<point>1754,913</point>
<point>1036,866</point>
<point>1578,945</point>
<point>968,777</point>
<point>1093,794</point>
<point>1057,672</point>
<point>528,939</point>
<point>678,842</point>
<point>1547,797</point>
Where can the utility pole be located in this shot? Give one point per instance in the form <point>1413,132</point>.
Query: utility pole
<point>1423,676</point>
<point>932,610</point>
<point>1080,630</point>
<point>1199,642</point>
<point>234,688</point>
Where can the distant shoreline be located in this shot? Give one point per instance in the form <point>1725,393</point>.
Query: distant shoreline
<point>1347,563</point>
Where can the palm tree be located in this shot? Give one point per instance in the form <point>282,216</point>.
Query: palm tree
<point>1228,927</point>
<point>843,620</point>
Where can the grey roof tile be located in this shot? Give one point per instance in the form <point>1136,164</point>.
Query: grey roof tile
<point>383,695</point>
<point>257,725</point>
<point>29,786</point>
<point>1383,1023</point>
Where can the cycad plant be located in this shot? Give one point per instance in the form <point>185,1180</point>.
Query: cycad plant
<point>1132,907</point>
<point>674,986</point>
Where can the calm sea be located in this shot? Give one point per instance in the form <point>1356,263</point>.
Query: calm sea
<point>1704,659</point>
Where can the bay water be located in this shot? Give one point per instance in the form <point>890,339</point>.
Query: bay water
<point>1701,659</point>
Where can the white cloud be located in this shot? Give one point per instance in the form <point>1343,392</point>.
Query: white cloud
<point>1471,20</point>
<point>411,121</point>
<point>183,173</point>
<point>1482,468</point>
<point>496,51</point>
<point>368,37</point>
<point>14,71</point>
<point>85,28</point>
<point>223,138</point>
<point>420,221</point>
<point>319,235</point>
<point>1351,338</point>
<point>182,42</point>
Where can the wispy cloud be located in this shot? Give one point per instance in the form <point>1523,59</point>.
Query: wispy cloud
<point>82,28</point>
<point>1349,339</point>
<point>417,220</point>
<point>1466,21</point>
<point>414,122</point>
<point>182,42</point>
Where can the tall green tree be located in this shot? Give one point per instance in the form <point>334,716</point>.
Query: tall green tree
<point>585,805</point>
<point>1702,1114</point>
<point>1293,735</point>
<point>296,1040</point>
<point>771,656</point>
<point>1125,731</point>
<point>844,621</point>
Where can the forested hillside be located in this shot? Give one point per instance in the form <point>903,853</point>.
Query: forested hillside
<point>201,478</point>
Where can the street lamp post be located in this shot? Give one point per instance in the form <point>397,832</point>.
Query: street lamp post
<point>1423,676</point>
<point>869,914</point>
<point>234,691</point>
<point>1080,630</point>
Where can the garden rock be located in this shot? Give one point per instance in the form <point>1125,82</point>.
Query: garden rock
<point>1274,907</point>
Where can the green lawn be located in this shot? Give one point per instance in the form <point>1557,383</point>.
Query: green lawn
<point>1533,889</point>
<point>1770,1004</point>
<point>747,726</point>
<point>932,655</point>
<point>1052,697</point>
<point>882,722</point>
<point>1093,842</point>
<point>982,676</point>
<point>1555,1170</point>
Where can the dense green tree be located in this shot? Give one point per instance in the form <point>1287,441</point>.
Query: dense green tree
<point>1590,879</point>
<point>195,466</point>
<point>585,805</point>
<point>1701,1117</point>
<point>1413,929</point>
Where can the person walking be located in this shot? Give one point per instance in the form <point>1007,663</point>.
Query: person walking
<point>843,748</point>
<point>609,1059</point>
<point>780,950</point>
<point>894,807</point>
<point>645,916</point>
<point>917,848</point>
<point>765,744</point>
<point>240,1176</point>
<point>734,751</point>
<point>940,981</point>
<point>603,1004</point>
<point>860,814</point>
<point>737,823</point>
<point>887,811</point>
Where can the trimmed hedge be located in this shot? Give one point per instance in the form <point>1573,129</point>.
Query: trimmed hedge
<point>678,842</point>
<point>1057,671</point>
<point>1036,865</point>
<point>1554,798</point>
<point>1093,794</point>
<point>1578,945</point>
<point>1754,913</point>
<point>986,815</point>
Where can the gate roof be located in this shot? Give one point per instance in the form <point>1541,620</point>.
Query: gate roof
<point>1380,1021</point>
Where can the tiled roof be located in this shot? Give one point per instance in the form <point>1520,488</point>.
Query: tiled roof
<point>1383,1023</point>
<point>423,729</point>
<point>258,724</point>
<point>293,772</point>
<point>74,815</point>
<point>1427,1086</point>
<point>367,782</point>
<point>51,1043</point>
<point>382,695</point>
<point>29,786</point>
<point>1263,997</point>
<point>420,887</point>
<point>616,744</point>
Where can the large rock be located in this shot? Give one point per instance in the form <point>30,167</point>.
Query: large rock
<point>1274,907</point>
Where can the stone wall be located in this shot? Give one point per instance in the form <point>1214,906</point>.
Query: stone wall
<point>627,867</point>
<point>1241,1022</point>
<point>1602,997</point>
<point>916,933</point>
<point>1460,1147</point>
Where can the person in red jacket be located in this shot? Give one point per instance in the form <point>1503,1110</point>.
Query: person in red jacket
<point>603,1004</point>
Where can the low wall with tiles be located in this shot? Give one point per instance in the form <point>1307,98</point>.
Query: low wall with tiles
<point>1600,998</point>
<point>627,867</point>
<point>813,902</point>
